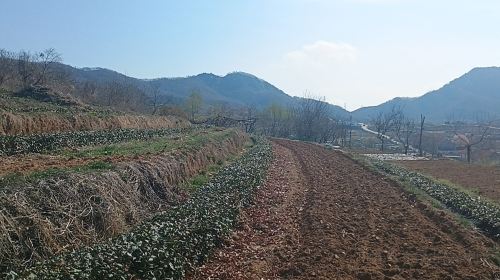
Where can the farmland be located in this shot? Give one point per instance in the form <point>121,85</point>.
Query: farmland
<point>172,242</point>
<point>76,192</point>
<point>91,193</point>
<point>321,215</point>
<point>483,180</point>
<point>153,212</point>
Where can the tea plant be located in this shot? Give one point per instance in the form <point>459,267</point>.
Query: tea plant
<point>173,242</point>
<point>485,214</point>
<point>42,143</point>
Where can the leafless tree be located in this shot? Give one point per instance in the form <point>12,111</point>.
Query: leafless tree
<point>111,93</point>
<point>87,91</point>
<point>122,96</point>
<point>154,93</point>
<point>328,130</point>
<point>404,128</point>
<point>275,121</point>
<point>422,122</point>
<point>470,136</point>
<point>310,115</point>
<point>34,69</point>
<point>6,66</point>
<point>194,103</point>
<point>26,68</point>
<point>45,60</point>
<point>384,123</point>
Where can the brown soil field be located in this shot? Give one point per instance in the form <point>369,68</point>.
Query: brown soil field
<point>485,180</point>
<point>319,215</point>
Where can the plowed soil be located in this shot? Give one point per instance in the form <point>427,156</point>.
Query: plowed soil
<point>485,180</point>
<point>320,215</point>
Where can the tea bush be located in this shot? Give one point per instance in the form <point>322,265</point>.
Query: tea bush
<point>173,242</point>
<point>42,143</point>
<point>485,214</point>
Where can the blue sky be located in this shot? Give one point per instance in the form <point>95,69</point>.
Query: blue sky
<point>353,52</point>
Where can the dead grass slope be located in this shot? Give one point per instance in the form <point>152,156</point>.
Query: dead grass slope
<point>60,213</point>
<point>23,124</point>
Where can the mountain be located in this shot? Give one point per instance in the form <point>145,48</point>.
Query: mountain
<point>475,95</point>
<point>237,89</point>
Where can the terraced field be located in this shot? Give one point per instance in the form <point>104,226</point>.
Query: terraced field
<point>481,179</point>
<point>85,187</point>
<point>318,214</point>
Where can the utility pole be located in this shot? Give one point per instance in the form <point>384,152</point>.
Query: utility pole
<point>422,121</point>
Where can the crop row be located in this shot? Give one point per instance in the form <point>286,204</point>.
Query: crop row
<point>173,242</point>
<point>485,214</point>
<point>42,143</point>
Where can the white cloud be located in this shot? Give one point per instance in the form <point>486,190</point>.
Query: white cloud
<point>323,52</point>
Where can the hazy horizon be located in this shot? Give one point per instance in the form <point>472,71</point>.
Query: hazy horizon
<point>354,52</point>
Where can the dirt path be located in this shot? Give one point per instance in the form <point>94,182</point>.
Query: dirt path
<point>321,216</point>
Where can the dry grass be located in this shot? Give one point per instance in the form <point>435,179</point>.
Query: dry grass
<point>62,212</point>
<point>17,124</point>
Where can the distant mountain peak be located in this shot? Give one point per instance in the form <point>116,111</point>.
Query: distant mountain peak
<point>475,94</point>
<point>92,69</point>
<point>239,73</point>
<point>238,89</point>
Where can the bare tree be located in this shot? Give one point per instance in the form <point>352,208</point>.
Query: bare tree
<point>154,92</point>
<point>26,68</point>
<point>310,115</point>
<point>384,123</point>
<point>404,129</point>
<point>34,69</point>
<point>250,118</point>
<point>193,104</point>
<point>328,130</point>
<point>87,92</point>
<point>470,136</point>
<point>6,66</point>
<point>111,93</point>
<point>45,60</point>
<point>422,121</point>
<point>275,121</point>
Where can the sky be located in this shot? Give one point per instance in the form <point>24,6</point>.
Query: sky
<point>351,52</point>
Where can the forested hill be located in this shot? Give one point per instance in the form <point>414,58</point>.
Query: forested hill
<point>237,89</point>
<point>473,96</point>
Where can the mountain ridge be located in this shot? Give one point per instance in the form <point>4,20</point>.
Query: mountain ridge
<point>473,96</point>
<point>236,88</point>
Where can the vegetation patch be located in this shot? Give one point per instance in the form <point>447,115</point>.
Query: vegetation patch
<point>173,242</point>
<point>56,210</point>
<point>43,143</point>
<point>484,213</point>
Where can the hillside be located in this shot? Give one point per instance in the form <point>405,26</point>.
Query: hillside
<point>236,89</point>
<point>475,95</point>
<point>22,114</point>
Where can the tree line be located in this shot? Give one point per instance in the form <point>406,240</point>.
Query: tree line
<point>24,69</point>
